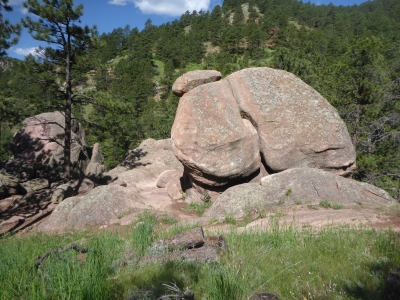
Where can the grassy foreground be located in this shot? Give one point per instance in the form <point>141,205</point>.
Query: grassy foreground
<point>334,263</point>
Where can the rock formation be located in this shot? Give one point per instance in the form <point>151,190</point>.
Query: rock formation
<point>223,129</point>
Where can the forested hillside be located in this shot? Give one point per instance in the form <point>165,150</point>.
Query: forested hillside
<point>351,55</point>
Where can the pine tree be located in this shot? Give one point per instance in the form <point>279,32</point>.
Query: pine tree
<point>58,26</point>
<point>8,33</point>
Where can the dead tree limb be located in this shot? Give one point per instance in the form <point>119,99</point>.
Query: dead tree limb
<point>61,250</point>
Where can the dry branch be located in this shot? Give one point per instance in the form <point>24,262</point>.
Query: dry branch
<point>66,248</point>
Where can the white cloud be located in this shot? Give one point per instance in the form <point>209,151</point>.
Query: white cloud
<point>118,2</point>
<point>26,51</point>
<point>15,2</point>
<point>24,10</point>
<point>172,8</point>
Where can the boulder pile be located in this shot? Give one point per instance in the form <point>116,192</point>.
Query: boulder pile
<point>32,179</point>
<point>226,131</point>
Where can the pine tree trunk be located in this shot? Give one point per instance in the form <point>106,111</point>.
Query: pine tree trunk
<point>68,107</point>
<point>356,125</point>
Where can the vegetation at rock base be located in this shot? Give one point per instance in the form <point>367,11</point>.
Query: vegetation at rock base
<point>330,263</point>
<point>351,55</point>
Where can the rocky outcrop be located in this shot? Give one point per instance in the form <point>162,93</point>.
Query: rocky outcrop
<point>222,128</point>
<point>297,186</point>
<point>192,79</point>
<point>38,148</point>
<point>102,206</point>
<point>212,141</point>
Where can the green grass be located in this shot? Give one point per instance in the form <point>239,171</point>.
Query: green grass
<point>333,263</point>
<point>325,203</point>
<point>199,208</point>
<point>160,68</point>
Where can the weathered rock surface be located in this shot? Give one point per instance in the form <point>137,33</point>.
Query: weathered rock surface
<point>315,185</point>
<point>239,200</point>
<point>210,138</point>
<point>135,176</point>
<point>192,79</point>
<point>38,150</point>
<point>96,167</point>
<point>296,125</point>
<point>299,185</point>
<point>102,206</point>
<point>34,185</point>
<point>9,185</point>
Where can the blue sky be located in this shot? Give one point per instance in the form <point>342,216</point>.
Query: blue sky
<point>111,14</point>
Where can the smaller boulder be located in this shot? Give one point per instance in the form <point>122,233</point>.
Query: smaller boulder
<point>193,79</point>
<point>96,167</point>
<point>9,185</point>
<point>168,176</point>
<point>62,192</point>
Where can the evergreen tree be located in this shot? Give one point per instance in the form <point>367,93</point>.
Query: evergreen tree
<point>58,25</point>
<point>8,33</point>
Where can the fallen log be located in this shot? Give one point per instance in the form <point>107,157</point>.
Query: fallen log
<point>193,238</point>
<point>203,254</point>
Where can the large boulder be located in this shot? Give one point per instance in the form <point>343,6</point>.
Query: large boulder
<point>38,148</point>
<point>295,186</point>
<point>101,206</point>
<point>296,125</point>
<point>192,79</point>
<point>211,139</point>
